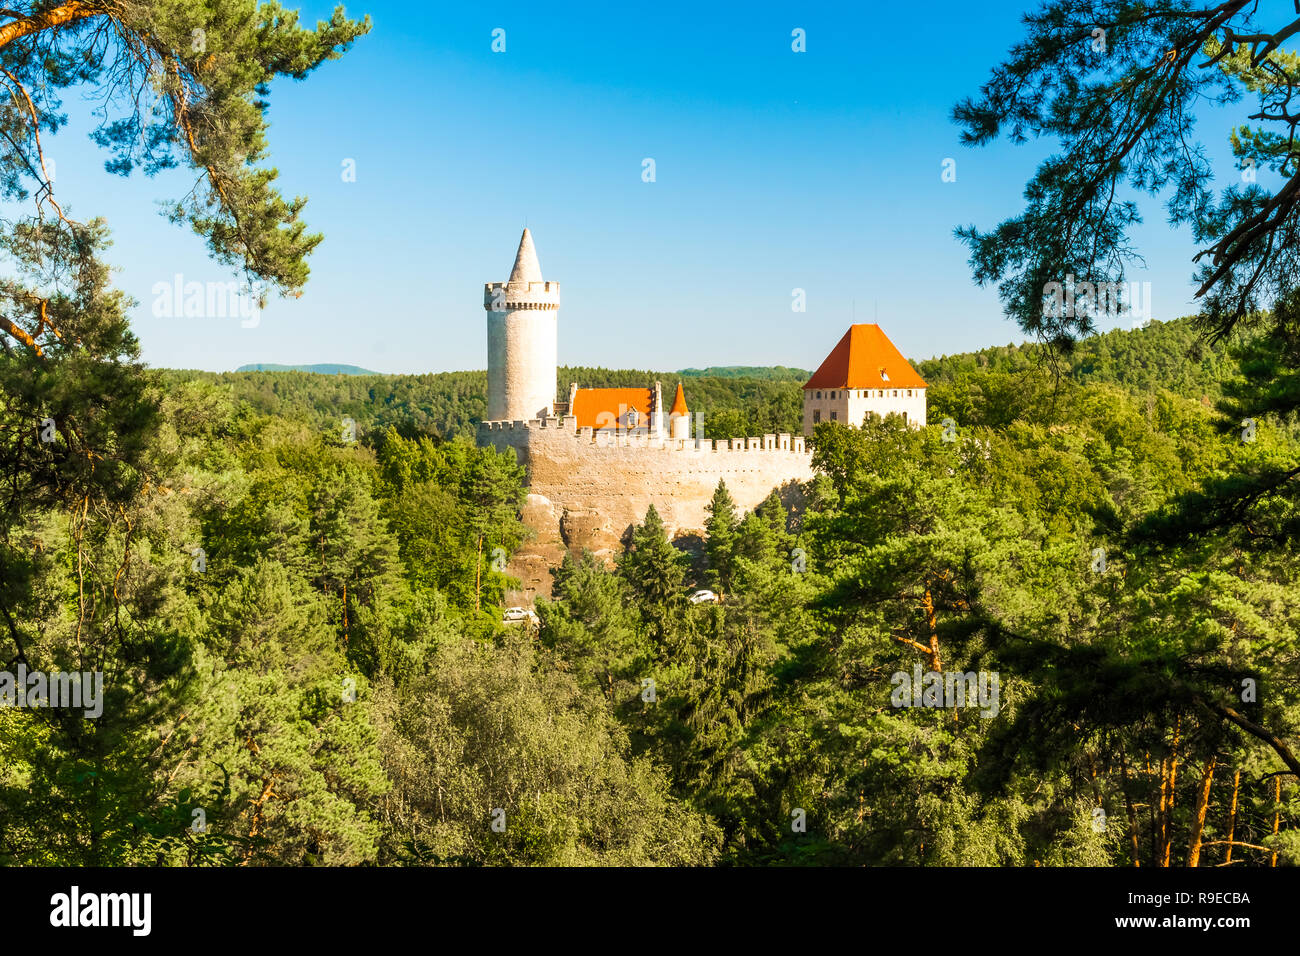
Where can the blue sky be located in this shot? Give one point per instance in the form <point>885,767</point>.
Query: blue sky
<point>775,170</point>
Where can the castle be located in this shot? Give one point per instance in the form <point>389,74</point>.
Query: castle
<point>596,462</point>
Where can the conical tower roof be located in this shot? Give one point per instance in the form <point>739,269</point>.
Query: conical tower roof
<point>865,358</point>
<point>527,269</point>
<point>679,403</point>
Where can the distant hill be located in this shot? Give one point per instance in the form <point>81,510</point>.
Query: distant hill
<point>779,373</point>
<point>318,369</point>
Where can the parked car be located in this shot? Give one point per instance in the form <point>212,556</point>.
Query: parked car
<point>704,597</point>
<point>517,615</point>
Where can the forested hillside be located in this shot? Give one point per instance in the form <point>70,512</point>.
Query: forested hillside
<point>452,403</point>
<point>737,401</point>
<point>300,632</point>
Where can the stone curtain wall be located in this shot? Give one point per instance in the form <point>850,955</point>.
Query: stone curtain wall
<point>586,490</point>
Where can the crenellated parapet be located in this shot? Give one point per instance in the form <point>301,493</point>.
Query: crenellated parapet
<point>564,431</point>
<point>512,296</point>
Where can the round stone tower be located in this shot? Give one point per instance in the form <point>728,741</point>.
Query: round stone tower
<point>522,350</point>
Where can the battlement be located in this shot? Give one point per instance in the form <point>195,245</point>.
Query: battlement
<point>510,296</point>
<point>519,434</point>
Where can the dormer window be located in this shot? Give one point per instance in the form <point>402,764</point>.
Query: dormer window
<point>884,376</point>
<point>632,418</point>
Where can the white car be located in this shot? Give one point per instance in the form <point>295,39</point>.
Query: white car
<point>704,597</point>
<point>516,615</point>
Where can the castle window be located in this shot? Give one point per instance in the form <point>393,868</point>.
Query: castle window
<point>819,394</point>
<point>881,394</point>
<point>904,418</point>
<point>817,415</point>
<point>832,395</point>
<point>895,393</point>
<point>834,416</point>
<point>909,393</point>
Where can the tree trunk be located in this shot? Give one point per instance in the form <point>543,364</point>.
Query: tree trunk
<point>1152,824</point>
<point>258,817</point>
<point>1163,815</point>
<point>1128,806</point>
<point>1198,819</point>
<point>1277,814</point>
<point>931,622</point>
<point>478,571</point>
<point>1232,816</point>
<point>1167,828</point>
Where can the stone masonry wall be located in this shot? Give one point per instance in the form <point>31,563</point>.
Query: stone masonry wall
<point>586,490</point>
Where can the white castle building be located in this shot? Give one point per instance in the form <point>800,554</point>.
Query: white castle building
<point>865,376</point>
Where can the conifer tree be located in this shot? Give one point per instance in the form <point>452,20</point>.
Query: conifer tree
<point>720,536</point>
<point>656,572</point>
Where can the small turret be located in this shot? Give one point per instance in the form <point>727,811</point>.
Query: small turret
<point>679,416</point>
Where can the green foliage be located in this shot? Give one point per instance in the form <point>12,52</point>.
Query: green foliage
<point>499,733</point>
<point>336,686</point>
<point>655,572</point>
<point>720,541</point>
<point>450,404</point>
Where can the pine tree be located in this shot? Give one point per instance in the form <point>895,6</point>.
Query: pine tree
<point>592,622</point>
<point>656,572</point>
<point>720,537</point>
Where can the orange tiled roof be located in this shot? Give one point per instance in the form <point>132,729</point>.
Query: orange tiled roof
<point>863,359</point>
<point>679,403</point>
<point>608,407</point>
